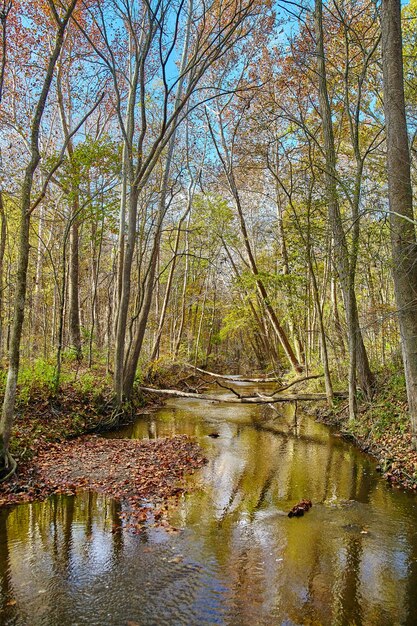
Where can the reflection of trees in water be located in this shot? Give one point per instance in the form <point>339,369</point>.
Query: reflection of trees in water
<point>274,568</point>
<point>274,468</point>
<point>44,533</point>
<point>117,530</point>
<point>411,582</point>
<point>5,577</point>
<point>349,600</point>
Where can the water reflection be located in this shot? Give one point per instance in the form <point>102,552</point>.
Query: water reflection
<point>239,560</point>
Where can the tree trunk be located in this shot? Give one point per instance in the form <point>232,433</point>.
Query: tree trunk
<point>183,291</point>
<point>3,233</point>
<point>74,283</point>
<point>403,238</point>
<point>134,353</point>
<point>7,417</point>
<point>155,348</point>
<point>227,162</point>
<point>358,358</point>
<point>132,357</point>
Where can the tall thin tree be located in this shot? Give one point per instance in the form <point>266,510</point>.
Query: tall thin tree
<point>403,236</point>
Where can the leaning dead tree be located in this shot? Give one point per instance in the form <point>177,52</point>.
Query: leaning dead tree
<point>232,377</point>
<point>241,379</point>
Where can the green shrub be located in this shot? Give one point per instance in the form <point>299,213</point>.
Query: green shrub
<point>37,378</point>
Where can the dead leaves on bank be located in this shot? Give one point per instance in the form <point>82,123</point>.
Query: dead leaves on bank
<point>142,474</point>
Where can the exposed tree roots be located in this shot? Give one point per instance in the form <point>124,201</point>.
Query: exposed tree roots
<point>8,469</point>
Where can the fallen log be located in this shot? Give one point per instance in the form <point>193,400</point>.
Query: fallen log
<point>239,379</point>
<point>235,377</point>
<point>295,382</point>
<point>258,399</point>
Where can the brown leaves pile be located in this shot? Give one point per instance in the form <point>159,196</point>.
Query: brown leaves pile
<point>142,474</point>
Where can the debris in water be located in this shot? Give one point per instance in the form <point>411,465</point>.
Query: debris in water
<point>299,509</point>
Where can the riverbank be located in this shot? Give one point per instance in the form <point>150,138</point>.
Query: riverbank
<point>382,429</point>
<point>50,432</point>
<point>57,452</point>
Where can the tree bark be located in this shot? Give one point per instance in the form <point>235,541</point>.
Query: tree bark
<point>155,348</point>
<point>74,283</point>
<point>3,233</point>
<point>403,236</point>
<point>74,263</point>
<point>358,358</point>
<point>7,418</point>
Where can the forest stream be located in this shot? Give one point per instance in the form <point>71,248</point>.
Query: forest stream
<point>236,558</point>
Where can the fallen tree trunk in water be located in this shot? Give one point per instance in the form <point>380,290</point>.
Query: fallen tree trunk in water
<point>235,378</point>
<point>238,379</point>
<point>258,399</point>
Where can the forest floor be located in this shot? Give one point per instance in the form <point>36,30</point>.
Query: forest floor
<point>144,475</point>
<point>382,429</point>
<point>55,455</point>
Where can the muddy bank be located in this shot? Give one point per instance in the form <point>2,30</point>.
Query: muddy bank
<point>143,475</point>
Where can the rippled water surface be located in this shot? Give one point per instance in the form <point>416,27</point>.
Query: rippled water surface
<point>238,558</point>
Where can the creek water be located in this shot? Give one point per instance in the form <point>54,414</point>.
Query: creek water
<point>237,558</point>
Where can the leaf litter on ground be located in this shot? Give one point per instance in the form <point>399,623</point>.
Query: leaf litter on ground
<point>144,475</point>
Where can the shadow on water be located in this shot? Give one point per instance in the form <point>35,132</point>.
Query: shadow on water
<point>238,559</point>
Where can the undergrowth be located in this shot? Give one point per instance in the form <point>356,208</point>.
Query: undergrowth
<point>383,429</point>
<point>44,414</point>
<point>387,413</point>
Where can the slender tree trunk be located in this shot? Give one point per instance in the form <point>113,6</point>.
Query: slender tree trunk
<point>183,292</point>
<point>263,293</point>
<point>358,358</point>
<point>133,355</point>
<point>61,309</point>
<point>228,168</point>
<point>200,324</point>
<point>155,349</point>
<point>3,233</point>
<point>123,308</point>
<point>74,283</point>
<point>7,418</point>
<point>95,268</point>
<point>74,261</point>
<point>3,227</point>
<point>340,335</point>
<point>269,350</point>
<point>403,237</point>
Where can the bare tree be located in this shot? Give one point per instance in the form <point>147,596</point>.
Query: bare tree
<point>154,29</point>
<point>344,262</point>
